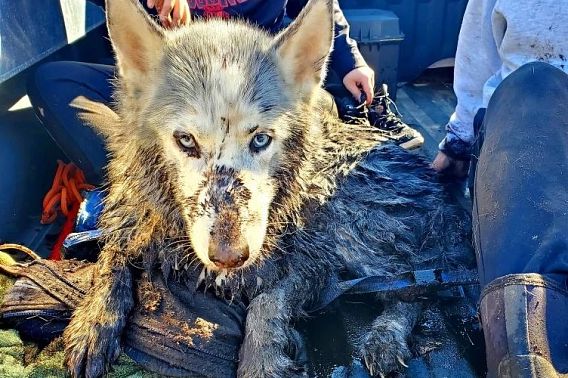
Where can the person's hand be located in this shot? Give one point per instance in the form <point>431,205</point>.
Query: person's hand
<point>452,167</point>
<point>362,78</point>
<point>172,13</point>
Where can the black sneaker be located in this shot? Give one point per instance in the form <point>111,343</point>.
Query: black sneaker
<point>382,117</point>
<point>350,112</point>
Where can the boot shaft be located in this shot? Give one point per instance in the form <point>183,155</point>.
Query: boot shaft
<point>525,327</point>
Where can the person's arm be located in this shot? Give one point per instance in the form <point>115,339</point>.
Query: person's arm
<point>477,59</point>
<point>345,55</point>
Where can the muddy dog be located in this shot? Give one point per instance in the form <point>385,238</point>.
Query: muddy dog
<point>223,158</point>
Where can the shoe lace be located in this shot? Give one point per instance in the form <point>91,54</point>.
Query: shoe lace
<point>386,118</point>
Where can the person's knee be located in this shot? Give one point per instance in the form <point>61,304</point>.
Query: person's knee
<point>539,70</point>
<point>533,87</point>
<point>43,80</point>
<point>535,80</point>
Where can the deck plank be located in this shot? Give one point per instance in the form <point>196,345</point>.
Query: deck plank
<point>427,105</point>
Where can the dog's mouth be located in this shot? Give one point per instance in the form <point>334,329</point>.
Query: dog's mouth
<point>226,268</point>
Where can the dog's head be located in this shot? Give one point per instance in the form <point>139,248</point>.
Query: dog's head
<point>221,101</point>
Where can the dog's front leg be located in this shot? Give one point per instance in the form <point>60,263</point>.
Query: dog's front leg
<point>384,347</point>
<point>265,349</point>
<point>92,339</point>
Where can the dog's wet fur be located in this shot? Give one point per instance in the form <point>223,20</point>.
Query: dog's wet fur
<point>223,158</point>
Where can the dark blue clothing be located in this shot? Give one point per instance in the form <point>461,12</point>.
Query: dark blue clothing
<point>270,15</point>
<point>520,198</point>
<point>520,223</point>
<point>51,88</point>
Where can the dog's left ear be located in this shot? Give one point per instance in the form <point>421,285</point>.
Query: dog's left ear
<point>303,48</point>
<point>97,115</point>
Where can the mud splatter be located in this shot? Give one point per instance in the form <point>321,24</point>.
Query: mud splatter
<point>150,297</point>
<point>201,329</point>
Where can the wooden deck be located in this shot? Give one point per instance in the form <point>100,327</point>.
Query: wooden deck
<point>426,104</point>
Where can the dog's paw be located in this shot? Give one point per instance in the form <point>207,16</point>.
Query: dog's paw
<point>269,364</point>
<point>270,348</point>
<point>384,349</point>
<point>267,358</point>
<point>91,346</point>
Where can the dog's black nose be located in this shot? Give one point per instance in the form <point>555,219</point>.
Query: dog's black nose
<point>228,256</point>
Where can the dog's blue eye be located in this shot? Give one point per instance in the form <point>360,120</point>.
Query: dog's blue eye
<point>260,142</point>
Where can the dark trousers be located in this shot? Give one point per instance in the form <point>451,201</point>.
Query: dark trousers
<point>51,88</point>
<point>521,176</point>
<point>520,223</point>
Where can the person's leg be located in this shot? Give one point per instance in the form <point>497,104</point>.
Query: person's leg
<point>51,88</point>
<point>520,228</point>
<point>343,102</point>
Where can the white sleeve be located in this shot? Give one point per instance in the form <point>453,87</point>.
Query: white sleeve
<point>477,59</point>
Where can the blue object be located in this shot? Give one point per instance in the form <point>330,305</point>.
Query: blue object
<point>90,211</point>
<point>82,244</point>
<point>77,238</point>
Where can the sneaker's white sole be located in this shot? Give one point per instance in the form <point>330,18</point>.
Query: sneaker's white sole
<point>414,143</point>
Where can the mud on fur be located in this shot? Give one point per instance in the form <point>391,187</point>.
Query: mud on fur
<point>223,159</point>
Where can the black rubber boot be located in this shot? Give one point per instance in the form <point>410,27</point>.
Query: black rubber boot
<point>525,328</point>
<point>520,224</point>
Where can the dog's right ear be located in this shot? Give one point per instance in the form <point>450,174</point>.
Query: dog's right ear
<point>137,40</point>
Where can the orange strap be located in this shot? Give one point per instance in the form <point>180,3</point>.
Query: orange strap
<point>64,197</point>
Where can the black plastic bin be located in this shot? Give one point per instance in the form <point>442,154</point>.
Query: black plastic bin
<point>378,34</point>
<point>430,29</point>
